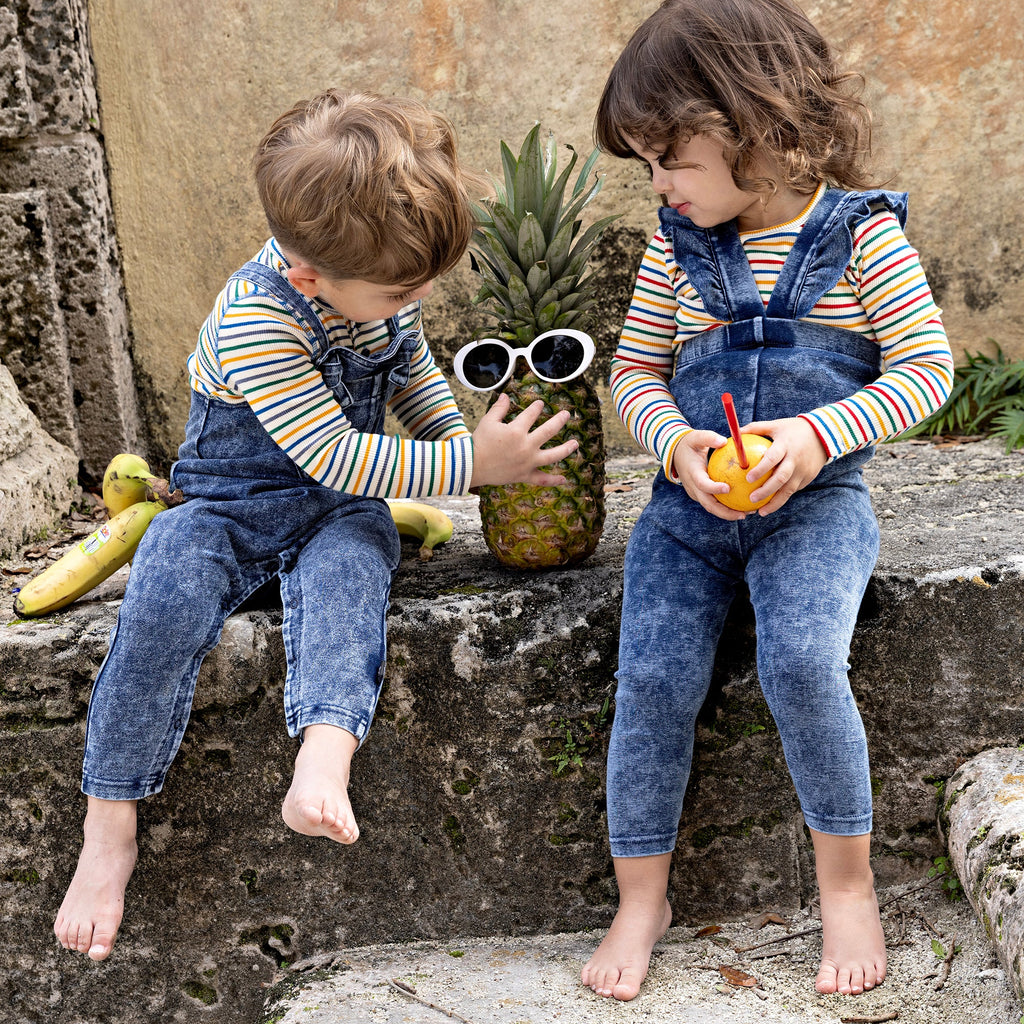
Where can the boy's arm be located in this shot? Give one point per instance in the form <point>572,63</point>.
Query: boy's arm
<point>264,358</point>
<point>502,452</point>
<point>426,406</point>
<point>917,364</point>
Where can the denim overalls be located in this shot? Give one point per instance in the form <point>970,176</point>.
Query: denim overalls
<point>806,565</point>
<point>252,514</point>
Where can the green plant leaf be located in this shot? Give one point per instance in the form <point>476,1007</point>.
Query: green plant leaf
<point>505,227</point>
<point>1009,425</point>
<point>508,165</point>
<point>530,175</point>
<point>585,170</point>
<point>538,283</point>
<point>531,243</point>
<point>550,215</point>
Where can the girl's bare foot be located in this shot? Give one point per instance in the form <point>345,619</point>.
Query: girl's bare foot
<point>619,964</point>
<point>853,943</point>
<point>90,915</point>
<point>317,803</point>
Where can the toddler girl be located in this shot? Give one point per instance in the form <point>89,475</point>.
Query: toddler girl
<point>779,275</point>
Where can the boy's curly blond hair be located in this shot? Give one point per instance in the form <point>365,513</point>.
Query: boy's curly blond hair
<point>365,187</point>
<point>754,75</point>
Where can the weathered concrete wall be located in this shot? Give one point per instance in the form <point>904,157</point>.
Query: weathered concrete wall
<point>64,331</point>
<point>186,90</point>
<point>467,828</point>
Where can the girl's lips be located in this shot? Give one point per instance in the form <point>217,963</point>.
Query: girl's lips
<point>680,207</point>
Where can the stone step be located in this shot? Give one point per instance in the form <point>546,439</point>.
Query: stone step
<point>727,973</point>
<point>480,789</point>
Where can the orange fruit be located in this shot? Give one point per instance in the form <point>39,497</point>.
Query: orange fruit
<point>724,466</point>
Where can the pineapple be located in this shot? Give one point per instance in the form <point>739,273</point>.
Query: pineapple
<point>532,259</point>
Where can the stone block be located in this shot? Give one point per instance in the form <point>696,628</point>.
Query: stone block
<point>86,278</point>
<point>982,816</point>
<point>46,68</point>
<point>38,475</point>
<point>33,342</point>
<point>17,112</point>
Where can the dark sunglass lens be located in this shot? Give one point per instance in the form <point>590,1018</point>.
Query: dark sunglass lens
<point>485,365</point>
<point>558,356</point>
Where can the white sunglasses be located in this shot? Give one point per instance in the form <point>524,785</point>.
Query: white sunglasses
<point>554,356</point>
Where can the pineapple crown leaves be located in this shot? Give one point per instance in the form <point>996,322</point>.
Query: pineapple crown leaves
<point>528,246</point>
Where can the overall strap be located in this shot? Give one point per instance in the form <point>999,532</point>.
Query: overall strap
<point>715,265</point>
<point>297,304</point>
<point>823,249</point>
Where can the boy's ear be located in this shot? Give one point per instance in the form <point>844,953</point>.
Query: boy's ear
<point>305,279</point>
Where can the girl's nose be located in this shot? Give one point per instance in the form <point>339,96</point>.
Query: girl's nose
<point>659,181</point>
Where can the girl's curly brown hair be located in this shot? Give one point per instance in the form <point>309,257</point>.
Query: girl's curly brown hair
<point>756,76</point>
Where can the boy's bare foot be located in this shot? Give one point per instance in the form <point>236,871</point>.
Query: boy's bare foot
<point>317,803</point>
<point>853,943</point>
<point>619,965</point>
<point>90,915</point>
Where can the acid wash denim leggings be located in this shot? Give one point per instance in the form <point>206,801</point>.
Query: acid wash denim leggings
<point>806,566</point>
<point>251,514</point>
<point>806,578</point>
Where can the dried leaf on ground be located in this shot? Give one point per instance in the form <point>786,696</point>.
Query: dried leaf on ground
<point>712,929</point>
<point>769,917</point>
<point>736,977</point>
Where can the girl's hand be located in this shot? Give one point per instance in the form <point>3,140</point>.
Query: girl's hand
<point>509,453</point>
<point>690,465</point>
<point>796,456</point>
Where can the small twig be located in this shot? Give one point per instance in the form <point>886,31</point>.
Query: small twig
<point>877,1019</point>
<point>767,954</point>
<point>783,938</point>
<point>410,993</point>
<point>946,964</point>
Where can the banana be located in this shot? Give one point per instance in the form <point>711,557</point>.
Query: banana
<point>427,523</point>
<point>125,482</point>
<point>88,563</point>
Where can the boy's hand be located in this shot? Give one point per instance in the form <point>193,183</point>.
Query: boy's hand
<point>690,465</point>
<point>796,455</point>
<point>508,453</point>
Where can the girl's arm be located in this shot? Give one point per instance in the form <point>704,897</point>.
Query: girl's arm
<point>644,362</point>
<point>917,365</point>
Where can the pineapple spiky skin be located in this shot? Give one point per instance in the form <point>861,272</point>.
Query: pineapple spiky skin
<point>531,527</point>
<point>533,261</point>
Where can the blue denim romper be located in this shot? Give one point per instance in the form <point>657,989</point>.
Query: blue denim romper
<point>252,514</point>
<point>806,566</point>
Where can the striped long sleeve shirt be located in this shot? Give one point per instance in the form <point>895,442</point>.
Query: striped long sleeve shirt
<point>883,295</point>
<point>251,349</point>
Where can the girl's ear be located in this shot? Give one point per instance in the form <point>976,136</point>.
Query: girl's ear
<point>304,279</point>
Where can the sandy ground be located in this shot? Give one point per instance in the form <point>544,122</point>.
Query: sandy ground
<point>533,980</point>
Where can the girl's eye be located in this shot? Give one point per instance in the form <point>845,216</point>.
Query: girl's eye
<point>403,298</point>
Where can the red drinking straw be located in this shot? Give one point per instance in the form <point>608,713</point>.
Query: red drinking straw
<point>734,428</point>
